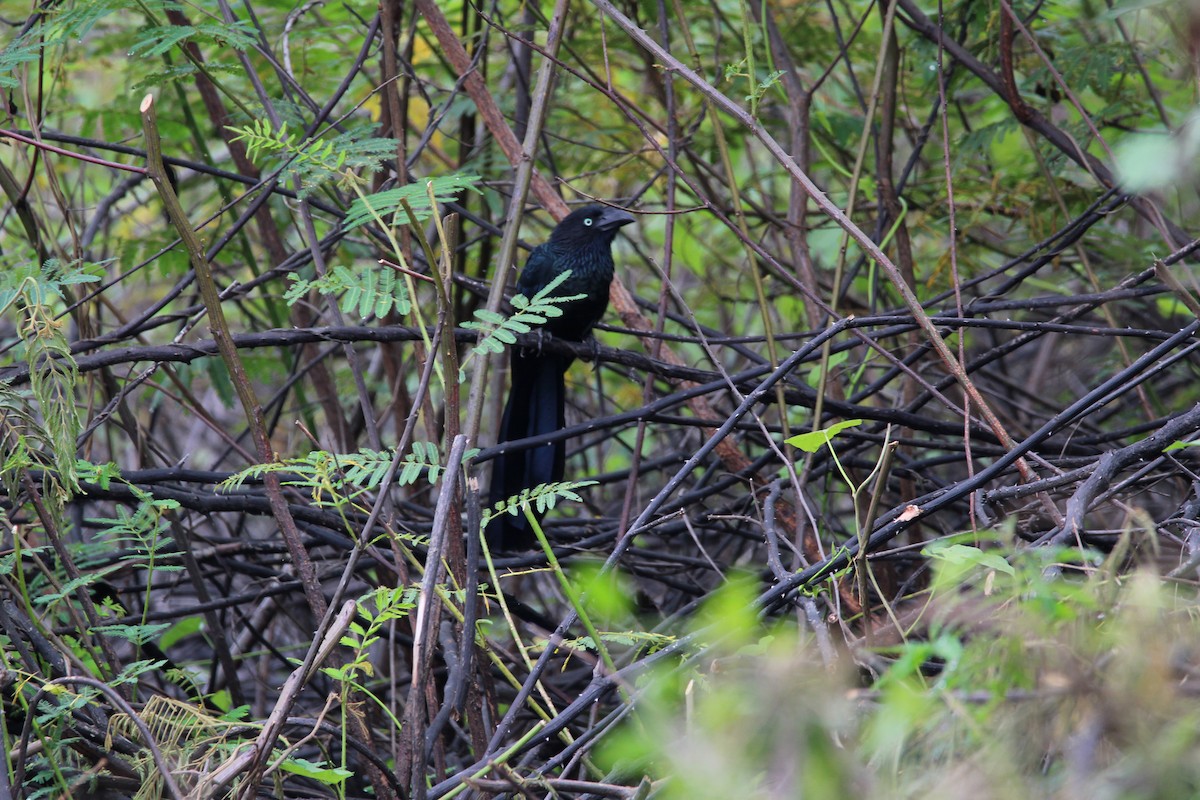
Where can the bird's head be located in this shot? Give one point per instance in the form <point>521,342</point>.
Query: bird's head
<point>594,224</point>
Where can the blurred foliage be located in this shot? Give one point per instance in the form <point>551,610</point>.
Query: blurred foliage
<point>1007,684</point>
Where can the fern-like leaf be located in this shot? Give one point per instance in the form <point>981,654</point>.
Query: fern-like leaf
<point>319,471</point>
<point>500,331</point>
<point>33,290</point>
<point>159,39</point>
<point>365,292</point>
<point>22,50</point>
<point>388,205</point>
<point>542,498</point>
<point>317,161</point>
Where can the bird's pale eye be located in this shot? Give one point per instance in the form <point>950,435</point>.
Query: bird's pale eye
<point>588,222</point>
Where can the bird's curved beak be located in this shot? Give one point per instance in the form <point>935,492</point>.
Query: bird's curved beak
<point>613,218</point>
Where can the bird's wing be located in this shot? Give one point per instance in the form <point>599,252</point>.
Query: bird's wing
<point>539,270</point>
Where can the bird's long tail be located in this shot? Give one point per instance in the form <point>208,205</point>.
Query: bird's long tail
<point>536,406</point>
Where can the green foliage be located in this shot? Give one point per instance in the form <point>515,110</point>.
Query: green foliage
<point>143,545</point>
<point>142,530</point>
<point>326,475</point>
<point>758,86</point>
<point>644,642</point>
<point>1007,675</point>
<point>389,205</point>
<point>319,772</point>
<point>499,330</point>
<point>66,24</point>
<point>608,592</point>
<point>813,441</point>
<point>425,460</point>
<point>1101,67</point>
<point>317,161</point>
<point>75,21</point>
<point>364,292</point>
<point>188,736</point>
<point>158,39</point>
<point>42,432</point>
<point>121,544</point>
<point>25,49</point>
<point>375,610</point>
<point>976,146</point>
<point>964,557</point>
<point>814,377</point>
<point>59,25</point>
<point>727,614</point>
<point>541,498</point>
<point>756,725</point>
<point>180,73</point>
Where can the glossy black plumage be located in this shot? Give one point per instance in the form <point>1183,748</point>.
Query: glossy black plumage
<point>581,243</point>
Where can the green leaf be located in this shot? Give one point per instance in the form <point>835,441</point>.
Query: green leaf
<point>159,39</point>
<point>22,50</point>
<point>965,555</point>
<point>363,292</point>
<point>530,311</point>
<point>317,161</point>
<point>835,360</point>
<point>542,497</point>
<point>138,634</point>
<point>317,772</point>
<point>813,441</point>
<point>387,205</point>
<point>181,630</point>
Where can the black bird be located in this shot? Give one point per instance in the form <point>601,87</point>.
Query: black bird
<point>581,243</point>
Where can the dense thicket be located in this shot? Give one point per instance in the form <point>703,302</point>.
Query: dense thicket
<point>871,471</point>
